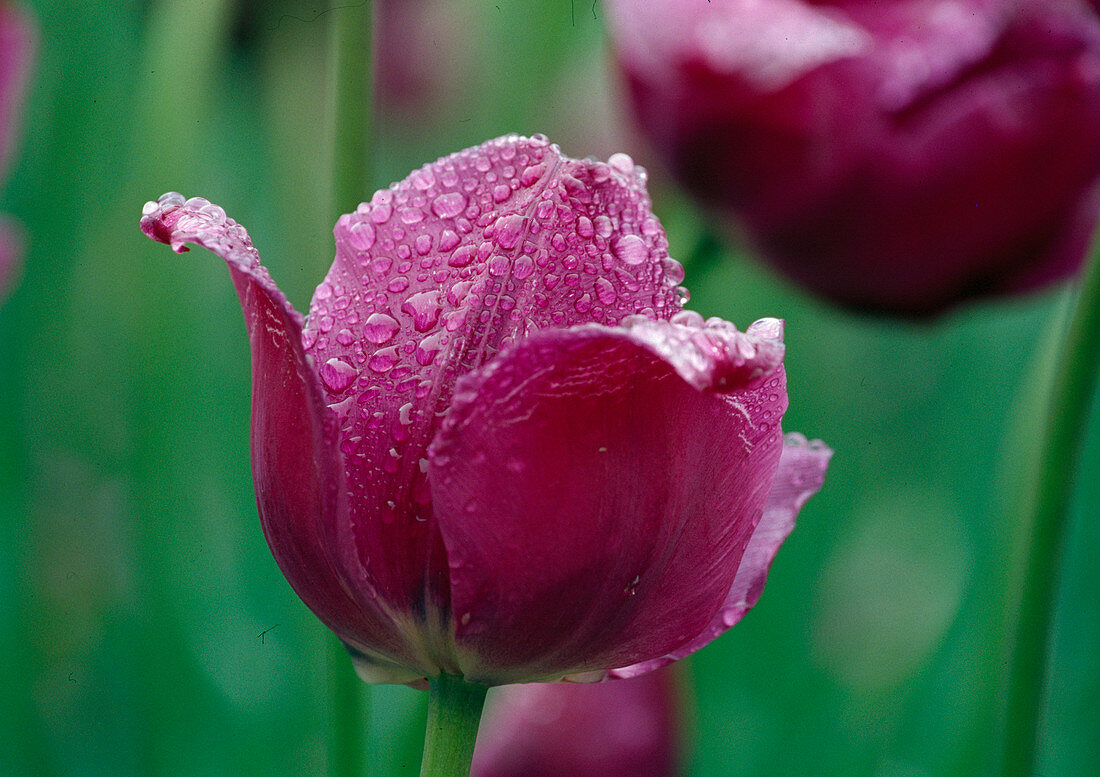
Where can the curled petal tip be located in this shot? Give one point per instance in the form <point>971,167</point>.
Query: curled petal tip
<point>713,355</point>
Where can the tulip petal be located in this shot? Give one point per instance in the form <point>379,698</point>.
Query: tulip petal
<point>296,470</point>
<point>12,243</point>
<point>622,729</point>
<point>596,487</point>
<point>800,475</point>
<point>434,276</point>
<point>16,48</point>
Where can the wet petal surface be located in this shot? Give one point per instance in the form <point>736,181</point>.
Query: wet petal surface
<point>432,278</point>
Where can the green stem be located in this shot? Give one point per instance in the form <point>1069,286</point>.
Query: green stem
<point>351,106</point>
<point>350,181</point>
<point>1070,399</point>
<point>454,711</point>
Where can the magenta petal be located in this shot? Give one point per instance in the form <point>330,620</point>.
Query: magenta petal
<point>801,472</point>
<point>431,278</point>
<point>12,243</point>
<point>16,48</point>
<point>296,469</point>
<point>595,491</point>
<point>621,729</point>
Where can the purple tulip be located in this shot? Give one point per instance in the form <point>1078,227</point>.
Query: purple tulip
<point>629,728</point>
<point>16,47</point>
<point>498,448</point>
<point>897,155</point>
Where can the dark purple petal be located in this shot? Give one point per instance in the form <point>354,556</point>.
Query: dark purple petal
<point>628,728</point>
<point>296,469</point>
<point>596,487</point>
<point>11,254</point>
<point>801,472</point>
<point>16,48</point>
<point>431,279</point>
<point>888,155</point>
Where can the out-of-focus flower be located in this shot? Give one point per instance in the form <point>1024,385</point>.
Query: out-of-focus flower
<point>629,728</point>
<point>16,48</point>
<point>898,156</point>
<point>499,448</point>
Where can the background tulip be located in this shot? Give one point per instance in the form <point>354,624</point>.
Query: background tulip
<point>16,45</point>
<point>499,339</point>
<point>895,156</point>
<point>630,728</point>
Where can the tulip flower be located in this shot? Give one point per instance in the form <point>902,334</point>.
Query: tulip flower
<point>16,46</point>
<point>898,156</point>
<point>629,728</point>
<point>498,448</point>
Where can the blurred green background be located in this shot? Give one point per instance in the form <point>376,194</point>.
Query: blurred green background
<point>145,629</point>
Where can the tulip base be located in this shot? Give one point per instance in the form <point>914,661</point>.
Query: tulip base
<point>454,712</point>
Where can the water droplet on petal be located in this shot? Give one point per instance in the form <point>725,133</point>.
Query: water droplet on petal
<point>447,206</point>
<point>411,215</point>
<point>621,162</point>
<point>631,249</point>
<point>337,375</point>
<point>380,328</point>
<point>523,268</point>
<point>448,240</point>
<point>383,359</point>
<point>462,256</point>
<point>533,174</point>
<point>424,309</point>
<point>361,236</point>
<point>605,291</point>
<point>507,230</point>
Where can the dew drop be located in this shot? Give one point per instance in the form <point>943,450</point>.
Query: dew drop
<point>383,359</point>
<point>621,162</point>
<point>462,256</point>
<point>361,236</point>
<point>424,309</point>
<point>523,268</point>
<point>532,174</point>
<point>507,230</point>
<point>449,205</point>
<point>411,215</point>
<point>345,337</point>
<point>448,240</point>
<point>337,375</point>
<point>631,249</point>
<point>380,328</point>
<point>380,213</point>
<point>605,291</point>
<point>423,244</point>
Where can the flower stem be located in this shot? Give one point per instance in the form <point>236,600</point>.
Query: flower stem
<point>1070,399</point>
<point>454,711</point>
<point>351,106</point>
<point>351,126</point>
